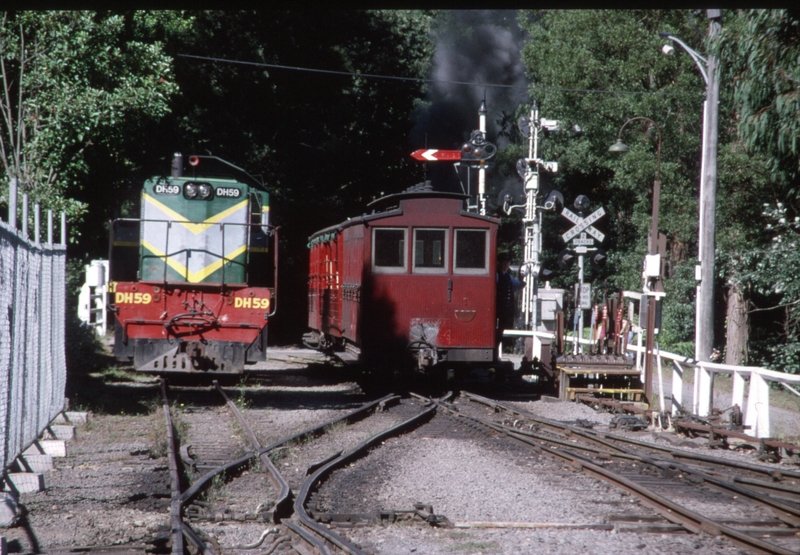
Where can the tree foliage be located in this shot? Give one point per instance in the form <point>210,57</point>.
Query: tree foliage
<point>74,83</point>
<point>595,69</point>
<point>761,52</point>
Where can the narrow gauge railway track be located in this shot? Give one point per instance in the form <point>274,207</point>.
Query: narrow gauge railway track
<point>653,478</point>
<point>239,453</point>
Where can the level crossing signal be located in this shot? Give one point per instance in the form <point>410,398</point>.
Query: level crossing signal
<point>581,237</point>
<point>566,259</point>
<point>599,258</point>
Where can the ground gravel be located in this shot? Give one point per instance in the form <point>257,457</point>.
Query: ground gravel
<point>110,487</point>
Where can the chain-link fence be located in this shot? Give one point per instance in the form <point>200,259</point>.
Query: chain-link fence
<point>33,367</point>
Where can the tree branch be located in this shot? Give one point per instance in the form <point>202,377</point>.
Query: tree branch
<point>776,307</point>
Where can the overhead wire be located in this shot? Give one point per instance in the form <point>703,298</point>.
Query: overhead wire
<point>432,81</point>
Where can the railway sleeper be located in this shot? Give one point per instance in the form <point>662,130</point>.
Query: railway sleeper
<point>199,511</point>
<point>384,516</point>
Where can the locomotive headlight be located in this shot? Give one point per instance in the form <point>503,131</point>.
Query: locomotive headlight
<point>204,190</point>
<point>190,190</point>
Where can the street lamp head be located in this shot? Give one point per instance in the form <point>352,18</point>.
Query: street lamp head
<point>619,146</point>
<point>668,49</point>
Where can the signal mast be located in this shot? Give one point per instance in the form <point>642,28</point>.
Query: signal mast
<point>528,169</point>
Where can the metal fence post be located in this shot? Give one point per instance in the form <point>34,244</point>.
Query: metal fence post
<point>37,224</point>
<point>12,204</point>
<point>677,387</point>
<point>25,216</point>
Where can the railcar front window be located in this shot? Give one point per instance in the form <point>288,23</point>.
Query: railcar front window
<point>472,252</point>
<point>389,250</point>
<point>430,250</point>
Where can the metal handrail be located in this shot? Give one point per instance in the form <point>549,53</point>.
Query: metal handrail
<point>167,254</point>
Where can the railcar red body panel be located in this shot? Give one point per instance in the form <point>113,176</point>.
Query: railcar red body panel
<point>417,279</point>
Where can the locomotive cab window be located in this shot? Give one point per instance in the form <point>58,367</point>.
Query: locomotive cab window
<point>430,251</point>
<point>389,252</point>
<point>472,251</point>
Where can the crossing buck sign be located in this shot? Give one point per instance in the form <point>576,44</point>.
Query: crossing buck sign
<point>582,227</point>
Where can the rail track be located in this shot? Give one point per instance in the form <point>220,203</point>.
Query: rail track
<point>257,470</point>
<point>657,475</point>
<point>225,446</point>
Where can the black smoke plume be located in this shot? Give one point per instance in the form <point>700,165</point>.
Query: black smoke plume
<point>480,47</point>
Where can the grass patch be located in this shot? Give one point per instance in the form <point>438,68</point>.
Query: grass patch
<point>216,489</point>
<point>336,427</point>
<point>476,547</point>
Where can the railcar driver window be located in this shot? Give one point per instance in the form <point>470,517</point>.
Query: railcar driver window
<point>430,250</point>
<point>389,249</point>
<point>471,252</point>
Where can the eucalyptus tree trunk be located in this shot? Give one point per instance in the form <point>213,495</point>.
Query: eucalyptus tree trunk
<point>738,326</point>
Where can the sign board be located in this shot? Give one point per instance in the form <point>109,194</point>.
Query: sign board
<point>583,225</point>
<point>585,296</point>
<point>434,155</point>
<point>583,241</point>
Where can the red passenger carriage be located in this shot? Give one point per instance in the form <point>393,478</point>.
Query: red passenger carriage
<point>412,281</point>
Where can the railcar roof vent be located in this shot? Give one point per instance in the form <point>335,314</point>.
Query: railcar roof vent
<point>420,190</point>
<point>425,186</point>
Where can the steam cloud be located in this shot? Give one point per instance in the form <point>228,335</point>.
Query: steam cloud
<point>474,46</point>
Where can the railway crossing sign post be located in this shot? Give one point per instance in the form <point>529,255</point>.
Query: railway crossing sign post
<point>582,236</point>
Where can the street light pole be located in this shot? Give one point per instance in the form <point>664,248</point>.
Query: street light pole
<point>704,272</point>
<point>653,254</point>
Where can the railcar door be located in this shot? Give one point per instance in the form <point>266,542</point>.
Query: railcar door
<point>352,276</point>
<point>472,301</point>
<point>452,278</point>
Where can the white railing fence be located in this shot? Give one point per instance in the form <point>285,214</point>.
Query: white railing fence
<point>670,392</point>
<point>32,310</point>
<point>756,411</point>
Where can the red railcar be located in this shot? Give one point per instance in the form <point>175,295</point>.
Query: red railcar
<point>414,280</point>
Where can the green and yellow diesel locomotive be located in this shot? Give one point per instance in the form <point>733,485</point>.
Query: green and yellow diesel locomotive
<point>193,280</point>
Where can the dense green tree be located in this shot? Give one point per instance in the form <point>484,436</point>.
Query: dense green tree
<point>326,138</point>
<point>596,69</point>
<point>76,89</point>
<point>761,52</point>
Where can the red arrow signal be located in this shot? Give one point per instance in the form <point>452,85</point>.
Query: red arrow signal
<point>435,155</point>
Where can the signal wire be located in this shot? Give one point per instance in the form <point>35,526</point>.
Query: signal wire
<point>434,81</point>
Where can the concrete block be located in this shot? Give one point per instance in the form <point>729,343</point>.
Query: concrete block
<point>63,431</point>
<point>35,463</point>
<point>9,507</point>
<point>52,447</point>
<point>3,546</point>
<point>34,449</point>
<point>72,417</point>
<point>27,482</point>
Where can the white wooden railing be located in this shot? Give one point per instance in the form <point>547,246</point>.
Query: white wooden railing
<point>756,413</point>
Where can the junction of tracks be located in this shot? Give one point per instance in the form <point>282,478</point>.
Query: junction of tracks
<point>298,459</point>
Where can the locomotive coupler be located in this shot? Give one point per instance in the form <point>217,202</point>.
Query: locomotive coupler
<point>427,358</point>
